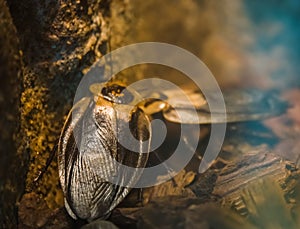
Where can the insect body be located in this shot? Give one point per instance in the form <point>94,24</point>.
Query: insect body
<point>90,149</point>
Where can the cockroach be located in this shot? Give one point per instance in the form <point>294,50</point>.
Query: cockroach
<point>89,148</point>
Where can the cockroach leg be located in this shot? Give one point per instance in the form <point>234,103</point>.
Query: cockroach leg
<point>49,160</point>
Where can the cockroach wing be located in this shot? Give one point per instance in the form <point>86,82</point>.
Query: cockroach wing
<point>89,157</point>
<point>241,105</point>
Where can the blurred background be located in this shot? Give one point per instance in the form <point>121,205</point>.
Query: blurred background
<point>244,43</point>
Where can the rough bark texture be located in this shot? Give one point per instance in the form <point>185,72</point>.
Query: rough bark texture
<point>12,162</point>
<point>59,41</point>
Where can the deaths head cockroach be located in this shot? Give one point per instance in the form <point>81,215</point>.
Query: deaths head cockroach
<point>89,149</point>
<point>86,158</point>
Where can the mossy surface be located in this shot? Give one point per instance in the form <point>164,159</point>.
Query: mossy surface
<point>12,162</point>
<point>59,40</point>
